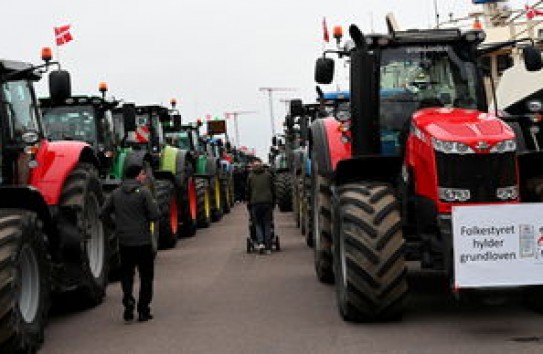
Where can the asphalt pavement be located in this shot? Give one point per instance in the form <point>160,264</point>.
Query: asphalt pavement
<point>213,297</point>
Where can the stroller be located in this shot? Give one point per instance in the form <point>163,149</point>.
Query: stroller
<point>251,240</point>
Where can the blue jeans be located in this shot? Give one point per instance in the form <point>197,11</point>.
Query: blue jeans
<point>262,219</point>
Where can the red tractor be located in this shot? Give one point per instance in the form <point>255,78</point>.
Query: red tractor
<point>417,142</point>
<point>51,239</point>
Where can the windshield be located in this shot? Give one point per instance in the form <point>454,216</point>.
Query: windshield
<point>70,122</point>
<point>180,140</point>
<point>424,76</point>
<point>18,100</point>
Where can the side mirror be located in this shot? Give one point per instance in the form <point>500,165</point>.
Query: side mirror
<point>289,121</point>
<point>176,122</point>
<point>274,141</point>
<point>324,70</point>
<point>60,87</point>
<point>129,117</point>
<point>532,58</point>
<point>296,108</point>
<point>163,116</point>
<point>304,130</point>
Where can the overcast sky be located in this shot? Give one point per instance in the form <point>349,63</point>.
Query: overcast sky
<point>212,55</point>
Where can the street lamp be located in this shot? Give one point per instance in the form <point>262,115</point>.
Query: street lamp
<point>270,91</point>
<point>235,114</point>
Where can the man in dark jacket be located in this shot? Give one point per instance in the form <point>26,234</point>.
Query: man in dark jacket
<point>261,199</point>
<point>134,209</point>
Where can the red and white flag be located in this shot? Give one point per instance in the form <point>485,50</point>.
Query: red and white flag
<point>63,35</point>
<point>325,34</point>
<point>532,12</point>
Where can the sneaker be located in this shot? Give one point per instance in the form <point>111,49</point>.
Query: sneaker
<point>144,317</point>
<point>268,252</point>
<point>261,248</point>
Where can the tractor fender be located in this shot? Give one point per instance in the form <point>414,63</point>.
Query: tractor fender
<point>375,168</point>
<point>185,165</point>
<point>176,162</point>
<point>29,198</point>
<point>327,145</point>
<point>201,166</point>
<point>117,171</point>
<point>55,162</point>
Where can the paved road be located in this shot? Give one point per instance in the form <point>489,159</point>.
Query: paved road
<point>212,297</point>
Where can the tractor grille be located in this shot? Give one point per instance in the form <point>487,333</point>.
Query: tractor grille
<point>481,174</point>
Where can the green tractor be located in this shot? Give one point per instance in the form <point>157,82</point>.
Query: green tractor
<point>172,169</point>
<point>205,170</point>
<point>279,161</point>
<point>219,148</point>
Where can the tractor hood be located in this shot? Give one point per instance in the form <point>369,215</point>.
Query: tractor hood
<point>470,127</point>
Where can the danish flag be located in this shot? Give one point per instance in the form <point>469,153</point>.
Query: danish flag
<point>532,12</point>
<point>63,35</point>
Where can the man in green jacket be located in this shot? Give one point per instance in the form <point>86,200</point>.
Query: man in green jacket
<point>261,199</point>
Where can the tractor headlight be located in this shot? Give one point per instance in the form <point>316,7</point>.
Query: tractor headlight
<point>343,115</point>
<point>507,193</point>
<point>534,106</point>
<point>451,147</point>
<point>504,146</point>
<point>454,194</point>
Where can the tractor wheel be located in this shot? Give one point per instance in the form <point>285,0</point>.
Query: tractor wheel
<point>168,223</point>
<point>369,263</point>
<point>322,233</point>
<point>225,196</point>
<point>203,209</point>
<point>295,203</point>
<point>190,208</point>
<point>216,199</point>
<point>283,191</point>
<point>302,208</point>
<point>79,207</point>
<point>25,272</point>
<point>308,215</point>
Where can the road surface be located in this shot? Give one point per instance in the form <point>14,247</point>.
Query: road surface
<point>212,297</point>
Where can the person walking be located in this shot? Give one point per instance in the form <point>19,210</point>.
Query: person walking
<point>134,208</point>
<point>261,200</point>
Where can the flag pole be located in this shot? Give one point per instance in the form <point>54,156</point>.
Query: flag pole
<point>58,56</point>
<point>57,47</point>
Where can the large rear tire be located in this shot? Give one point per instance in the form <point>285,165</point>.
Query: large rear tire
<point>369,263</point>
<point>216,199</point>
<point>25,280</point>
<point>225,195</point>
<point>203,203</point>
<point>82,194</point>
<point>283,191</point>
<point>168,222</point>
<point>322,232</point>
<point>190,209</point>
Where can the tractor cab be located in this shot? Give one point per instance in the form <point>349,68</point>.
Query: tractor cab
<point>84,118</point>
<point>416,69</point>
<point>20,128</point>
<point>149,133</point>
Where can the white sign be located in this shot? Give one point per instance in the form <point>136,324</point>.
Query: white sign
<point>498,245</point>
